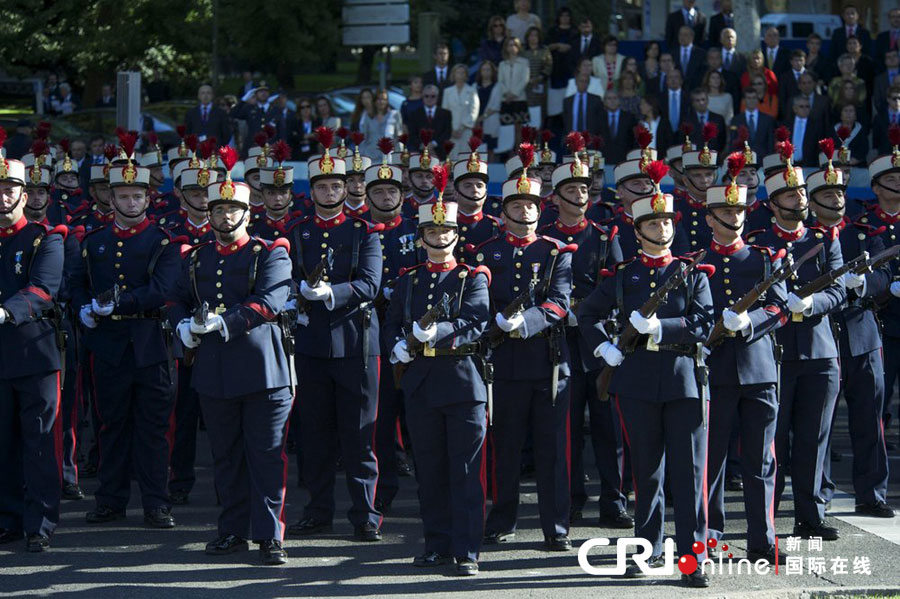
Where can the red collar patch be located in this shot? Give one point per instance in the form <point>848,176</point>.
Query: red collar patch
<point>889,219</point>
<point>789,235</point>
<point>231,248</point>
<point>131,231</point>
<point>14,228</point>
<point>727,250</point>
<point>441,266</point>
<point>573,229</point>
<point>330,223</point>
<point>196,231</point>
<point>468,219</point>
<point>356,211</point>
<point>393,223</point>
<point>656,261</point>
<point>520,242</point>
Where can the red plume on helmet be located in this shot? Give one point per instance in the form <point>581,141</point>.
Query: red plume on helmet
<point>425,136</point>
<point>782,133</point>
<point>181,130</point>
<point>478,132</point>
<point>687,129</point>
<point>127,140</point>
<point>229,158</point>
<point>546,136</point>
<point>786,149</point>
<point>42,131</point>
<point>403,138</point>
<point>474,142</point>
<point>742,135</point>
<point>528,134</point>
<point>597,142</point>
<point>441,174</point>
<point>736,163</point>
<point>827,147</point>
<point>191,142</point>
<point>3,135</point>
<point>643,136</point>
<point>39,147</point>
<point>357,138</point>
<point>343,133</point>
<point>270,131</point>
<point>843,133</point>
<point>281,151</point>
<point>206,149</point>
<point>260,138</point>
<point>656,170</point>
<point>710,130</point>
<point>64,143</point>
<point>448,147</point>
<point>386,145</point>
<point>575,142</point>
<point>325,136</point>
<point>526,154</point>
<point>110,151</point>
<point>152,138</point>
<point>894,135</point>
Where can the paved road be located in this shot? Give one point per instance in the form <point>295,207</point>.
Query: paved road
<point>129,561</point>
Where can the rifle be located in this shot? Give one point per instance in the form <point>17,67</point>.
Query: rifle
<point>859,265</point>
<point>495,333</point>
<point>380,300</point>
<point>110,296</point>
<point>439,311</point>
<point>629,337</point>
<point>788,269</point>
<point>876,262</point>
<point>199,317</point>
<point>315,277</point>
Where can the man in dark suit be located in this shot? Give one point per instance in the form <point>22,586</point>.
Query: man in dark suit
<point>617,128</point>
<point>439,75</point>
<point>805,133</point>
<point>107,99</point>
<point>883,120</point>
<point>732,60</point>
<point>285,119</point>
<point>732,82</point>
<point>888,39</point>
<point>257,111</point>
<point>719,21</point>
<point>789,83</point>
<point>19,142</point>
<point>206,119</point>
<point>775,58</point>
<point>689,58</point>
<point>760,126</point>
<point>659,84</point>
<point>885,80</point>
<point>851,27</point>
<point>247,84</point>
<point>581,111</point>
<point>587,45</point>
<point>430,116</point>
<point>821,105</point>
<point>688,15</point>
<point>699,116</point>
<point>675,103</point>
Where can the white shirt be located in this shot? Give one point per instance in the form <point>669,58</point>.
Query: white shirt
<point>799,132</point>
<point>585,42</point>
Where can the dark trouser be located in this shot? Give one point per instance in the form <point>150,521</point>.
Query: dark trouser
<point>449,459</point>
<point>751,411</point>
<point>30,453</point>
<point>809,390</point>
<point>134,406</point>
<point>70,413</point>
<point>520,406</point>
<point>338,403</point>
<point>891,347</point>
<point>247,435</point>
<point>661,434</point>
<point>606,439</point>
<point>862,380</point>
<point>390,400</point>
<point>187,420</point>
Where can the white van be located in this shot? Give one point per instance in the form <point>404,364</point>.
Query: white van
<point>794,26</point>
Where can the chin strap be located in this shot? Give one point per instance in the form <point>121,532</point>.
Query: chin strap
<point>440,247</point>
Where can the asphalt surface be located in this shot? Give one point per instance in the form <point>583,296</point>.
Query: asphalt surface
<point>124,559</point>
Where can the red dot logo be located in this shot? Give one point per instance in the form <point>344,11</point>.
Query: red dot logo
<point>687,564</point>
<point>712,543</point>
<point>698,547</point>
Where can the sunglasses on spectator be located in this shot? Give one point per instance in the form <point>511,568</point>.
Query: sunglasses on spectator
<point>305,106</point>
<point>895,98</point>
<point>430,96</point>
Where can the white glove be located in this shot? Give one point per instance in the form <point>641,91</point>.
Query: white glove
<point>645,326</point>
<point>319,293</point>
<point>400,353</point>
<point>289,305</point>
<point>425,335</point>
<point>571,319</point>
<point>3,315</point>
<point>188,339</point>
<point>213,322</point>
<point>735,321</point>
<point>852,280</point>
<point>102,309</point>
<point>610,353</point>
<point>302,319</point>
<point>87,316</point>
<point>799,305</point>
<point>387,292</point>
<point>511,324</point>
<point>895,288</point>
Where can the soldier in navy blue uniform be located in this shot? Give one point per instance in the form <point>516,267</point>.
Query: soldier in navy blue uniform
<point>598,248</point>
<point>276,183</point>
<point>445,392</point>
<point>470,181</point>
<point>30,277</point>
<point>101,212</point>
<point>859,342</point>
<point>257,158</point>
<point>840,160</point>
<point>758,214</point>
<point>356,166</point>
<point>699,175</point>
<point>242,370</point>
<point>66,192</point>
<point>130,359</point>
<point>743,368</point>
<point>420,181</point>
<point>531,365</point>
<point>160,203</point>
<point>339,352</point>
<point>810,378</point>
<point>662,414</point>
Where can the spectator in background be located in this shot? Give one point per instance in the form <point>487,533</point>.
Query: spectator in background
<point>518,23</point>
<point>777,59</point>
<point>659,84</point>
<point>512,78</point>
<point>821,109</point>
<point>789,84</point>
<point>561,41</point>
<point>732,60</point>
<point>847,70</point>
<point>851,28</point>
<point>887,116</point>
<point>699,116</point>
<point>651,118</point>
<point>285,119</point>
<point>157,89</point>
<point>67,102</point>
<point>730,82</point>
<point>723,19</point>
<point>540,65</point>
<point>616,126</point>
<point>586,44</point>
<point>689,58</point>
<point>886,80</point>
<point>816,61</point>
<point>325,113</point>
<point>384,122</point>
<point>581,110</point>
<point>858,142</point>
<point>586,67</point>
<point>720,102</point>
<point>461,99</point>
<point>439,75</point>
<point>865,66</point>
<point>206,119</point>
<point>756,67</point>
<point>848,95</point>
<point>247,84</point>
<point>488,103</point>
<point>608,66</point>
<point>106,99</point>
<point>365,106</point>
<point>688,15</point>
<point>629,93</point>
<point>675,103</point>
<point>19,143</point>
<point>768,102</point>
<point>805,133</point>
<point>430,116</point>
<point>52,86</point>
<point>491,47</point>
<point>649,67</point>
<point>96,157</point>
<point>306,127</point>
<point>413,101</point>
<point>760,126</point>
<point>889,39</point>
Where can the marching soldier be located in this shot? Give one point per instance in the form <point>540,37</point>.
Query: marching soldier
<point>101,212</point>
<point>277,184</point>
<point>356,180</point>
<point>242,368</point>
<point>257,158</point>
<point>420,180</point>
<point>598,248</point>
<point>699,175</point>
<point>810,377</point>
<point>859,342</point>
<point>66,191</point>
<point>160,203</point>
<point>663,415</point>
<point>130,359</point>
<point>30,277</point>
<point>470,181</point>
<point>443,384</point>
<point>743,367</point>
<point>532,281</point>
<point>339,351</point>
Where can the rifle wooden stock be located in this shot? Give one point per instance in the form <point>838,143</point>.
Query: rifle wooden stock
<point>495,333</point>
<point>439,311</point>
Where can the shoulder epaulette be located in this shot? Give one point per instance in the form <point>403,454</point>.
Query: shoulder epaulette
<point>475,270</point>
<point>271,245</point>
<point>563,248</point>
<point>187,250</point>
<point>370,226</point>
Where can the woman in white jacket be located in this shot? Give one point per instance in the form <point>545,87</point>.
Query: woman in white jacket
<point>608,66</point>
<point>385,122</point>
<point>512,78</point>
<point>461,99</point>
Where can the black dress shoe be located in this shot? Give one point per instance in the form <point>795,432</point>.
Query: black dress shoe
<point>836,456</point>
<point>695,580</point>
<point>88,471</point>
<point>104,514</point>
<point>37,543</point>
<point>574,516</point>
<point>734,484</point>
<point>72,492</point>
<point>466,567</point>
<point>367,533</point>
<point>226,544</point>
<point>9,536</point>
<point>430,559</point>
<point>620,520</point>
<point>272,553</point>
<point>634,571</point>
<point>179,498</point>
<point>877,510</point>
<point>557,543</point>
<point>160,517</point>
<point>309,526</point>
<point>805,530</point>
<point>403,468</point>
<point>493,538</point>
<point>766,555</point>
<point>382,506</point>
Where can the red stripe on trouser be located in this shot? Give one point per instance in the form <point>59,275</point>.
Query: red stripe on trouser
<point>284,476</point>
<point>628,442</point>
<point>58,430</point>
<point>375,428</point>
<point>170,432</point>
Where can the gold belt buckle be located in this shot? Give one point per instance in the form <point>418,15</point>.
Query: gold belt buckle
<point>428,351</point>
<point>220,310</point>
<point>115,317</point>
<point>651,344</point>
<point>516,334</point>
<point>730,334</point>
<point>796,317</point>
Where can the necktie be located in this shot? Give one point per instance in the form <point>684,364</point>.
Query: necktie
<point>771,58</point>
<point>751,124</point>
<point>430,115</point>
<point>727,59</point>
<point>799,131</point>
<point>702,120</point>
<point>584,44</point>
<point>613,124</point>
<point>850,31</point>
<point>894,35</point>
<point>673,110</point>
<point>579,112</point>
<point>204,116</point>
<point>690,18</point>
<point>684,58</point>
